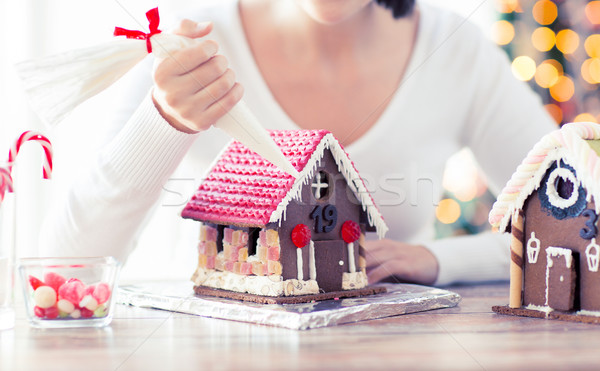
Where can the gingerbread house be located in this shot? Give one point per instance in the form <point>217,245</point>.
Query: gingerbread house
<point>264,232</point>
<point>550,206</point>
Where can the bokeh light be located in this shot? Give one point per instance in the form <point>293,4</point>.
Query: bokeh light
<point>585,117</point>
<point>556,64</point>
<point>554,45</point>
<point>546,75</point>
<point>508,6</point>
<point>563,90</point>
<point>592,12</point>
<point>592,46</point>
<point>567,41</point>
<point>554,111</point>
<point>545,12</point>
<point>590,70</point>
<point>543,39</point>
<point>595,70</point>
<point>467,193</point>
<point>447,211</point>
<point>523,68</point>
<point>503,32</point>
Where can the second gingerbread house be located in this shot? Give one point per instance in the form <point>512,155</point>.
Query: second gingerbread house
<point>551,206</point>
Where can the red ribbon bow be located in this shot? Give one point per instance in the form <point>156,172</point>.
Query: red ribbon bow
<point>154,20</point>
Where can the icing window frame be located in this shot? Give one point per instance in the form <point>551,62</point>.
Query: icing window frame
<point>550,197</point>
<point>554,193</point>
<point>321,177</point>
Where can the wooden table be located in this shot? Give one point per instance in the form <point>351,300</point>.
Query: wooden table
<point>466,337</point>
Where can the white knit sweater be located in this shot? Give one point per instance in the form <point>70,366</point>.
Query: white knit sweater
<point>457,91</point>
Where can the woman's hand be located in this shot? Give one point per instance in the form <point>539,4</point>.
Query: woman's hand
<point>407,263</point>
<point>194,87</point>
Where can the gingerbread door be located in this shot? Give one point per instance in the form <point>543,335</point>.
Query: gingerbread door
<point>331,263</point>
<point>561,278</point>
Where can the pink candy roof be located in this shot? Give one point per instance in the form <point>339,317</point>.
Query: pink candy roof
<point>245,189</point>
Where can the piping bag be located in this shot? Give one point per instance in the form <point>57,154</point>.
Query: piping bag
<point>59,83</point>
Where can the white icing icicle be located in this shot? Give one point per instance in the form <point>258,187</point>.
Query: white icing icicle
<point>312,267</point>
<point>569,144</point>
<point>299,263</point>
<point>351,261</point>
<point>347,169</point>
<point>559,251</point>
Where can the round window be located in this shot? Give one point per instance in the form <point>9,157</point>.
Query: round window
<point>560,192</point>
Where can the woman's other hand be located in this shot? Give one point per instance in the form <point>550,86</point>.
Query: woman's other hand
<point>194,87</point>
<point>404,262</point>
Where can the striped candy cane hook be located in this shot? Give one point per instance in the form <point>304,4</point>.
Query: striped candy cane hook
<point>36,137</point>
<point>6,183</point>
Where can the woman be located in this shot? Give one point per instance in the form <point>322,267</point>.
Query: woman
<point>402,86</point>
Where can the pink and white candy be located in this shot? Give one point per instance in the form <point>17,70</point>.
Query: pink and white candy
<point>32,136</point>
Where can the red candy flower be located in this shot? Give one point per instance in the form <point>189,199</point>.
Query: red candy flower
<point>301,235</point>
<point>350,231</point>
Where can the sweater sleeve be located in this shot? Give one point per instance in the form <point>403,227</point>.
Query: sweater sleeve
<point>506,118</point>
<point>105,207</point>
<point>475,258</point>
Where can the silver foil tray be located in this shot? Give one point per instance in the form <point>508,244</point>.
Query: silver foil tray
<point>179,297</point>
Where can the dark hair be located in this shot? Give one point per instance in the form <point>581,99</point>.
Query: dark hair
<point>399,8</point>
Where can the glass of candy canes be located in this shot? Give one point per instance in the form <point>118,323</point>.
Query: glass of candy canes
<point>69,292</point>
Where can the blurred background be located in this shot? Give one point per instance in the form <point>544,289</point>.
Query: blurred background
<point>553,45</point>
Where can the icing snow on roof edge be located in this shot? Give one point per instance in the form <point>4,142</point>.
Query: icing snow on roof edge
<point>346,167</point>
<point>571,140</point>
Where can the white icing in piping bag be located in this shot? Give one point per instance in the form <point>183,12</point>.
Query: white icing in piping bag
<point>242,125</point>
<point>57,84</point>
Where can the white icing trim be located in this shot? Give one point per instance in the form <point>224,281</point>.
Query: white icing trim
<point>591,313</point>
<point>312,267</point>
<point>553,252</point>
<point>546,309</point>
<point>347,169</point>
<point>552,192</point>
<point>592,258</point>
<point>533,251</point>
<point>351,261</point>
<point>532,184</point>
<point>567,143</point>
<point>299,263</point>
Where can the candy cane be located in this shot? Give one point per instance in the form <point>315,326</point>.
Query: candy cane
<point>43,141</point>
<point>6,183</point>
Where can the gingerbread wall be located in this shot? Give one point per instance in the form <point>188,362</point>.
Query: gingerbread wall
<point>563,233</point>
<point>347,208</point>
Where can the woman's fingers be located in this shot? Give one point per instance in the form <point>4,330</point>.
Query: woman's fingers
<point>194,87</point>
<point>405,262</point>
<point>192,29</point>
<point>184,61</point>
